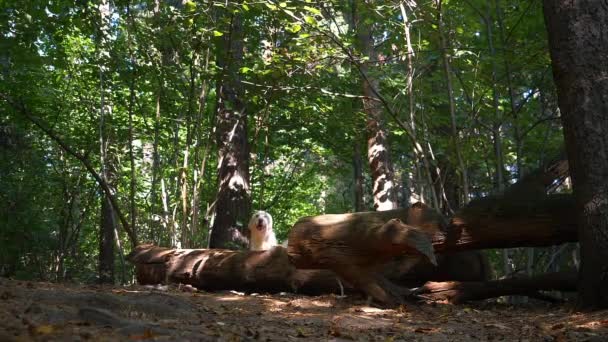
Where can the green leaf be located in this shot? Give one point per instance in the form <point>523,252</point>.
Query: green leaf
<point>310,20</point>
<point>217,34</point>
<point>295,28</point>
<point>312,10</point>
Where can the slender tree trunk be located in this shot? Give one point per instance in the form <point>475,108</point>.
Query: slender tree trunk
<point>578,41</point>
<point>198,176</point>
<point>443,45</point>
<point>496,131</point>
<point>517,137</point>
<point>106,243</point>
<point>419,152</point>
<point>411,106</point>
<point>234,195</point>
<point>155,228</point>
<point>131,105</point>
<point>185,233</point>
<point>107,226</point>
<point>358,177</point>
<point>378,148</point>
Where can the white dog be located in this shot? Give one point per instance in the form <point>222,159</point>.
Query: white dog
<point>262,235</point>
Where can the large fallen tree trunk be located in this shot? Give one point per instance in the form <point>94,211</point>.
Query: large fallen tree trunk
<point>214,270</point>
<point>503,222</point>
<point>354,245</point>
<point>456,292</point>
<point>270,271</point>
<point>219,269</point>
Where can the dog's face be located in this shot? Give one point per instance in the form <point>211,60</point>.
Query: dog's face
<point>260,221</point>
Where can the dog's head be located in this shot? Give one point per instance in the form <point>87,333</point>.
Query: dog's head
<point>260,221</point>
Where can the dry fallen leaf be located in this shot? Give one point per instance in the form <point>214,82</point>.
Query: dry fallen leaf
<point>43,329</point>
<point>147,335</point>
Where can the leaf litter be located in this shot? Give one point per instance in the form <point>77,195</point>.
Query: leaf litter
<point>37,311</point>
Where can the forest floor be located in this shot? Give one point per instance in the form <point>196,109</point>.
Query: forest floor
<point>67,312</point>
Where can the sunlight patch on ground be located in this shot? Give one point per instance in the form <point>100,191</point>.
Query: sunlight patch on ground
<point>229,298</point>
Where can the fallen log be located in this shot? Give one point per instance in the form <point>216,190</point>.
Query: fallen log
<point>349,244</point>
<point>457,292</point>
<point>497,222</point>
<point>157,265</point>
<point>462,266</point>
<point>355,245</point>
<point>219,269</point>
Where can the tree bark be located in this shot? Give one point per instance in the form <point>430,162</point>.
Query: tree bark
<point>234,195</point>
<point>578,42</point>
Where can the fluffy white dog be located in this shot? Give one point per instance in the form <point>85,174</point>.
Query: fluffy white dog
<point>262,235</point>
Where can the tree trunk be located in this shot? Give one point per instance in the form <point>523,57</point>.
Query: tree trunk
<point>106,243</point>
<point>578,41</point>
<point>234,195</point>
<point>378,149</point>
<point>443,45</point>
<point>496,130</point>
<point>200,137</point>
<point>107,227</point>
<point>155,229</point>
<point>133,180</point>
<point>358,177</point>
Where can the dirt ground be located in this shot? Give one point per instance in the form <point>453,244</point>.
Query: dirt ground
<point>31,311</point>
